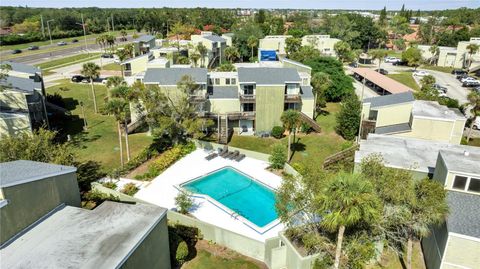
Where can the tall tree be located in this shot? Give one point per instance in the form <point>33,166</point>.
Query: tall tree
<point>117,107</point>
<point>91,71</point>
<point>291,120</point>
<point>382,21</point>
<point>202,50</point>
<point>348,119</point>
<point>474,101</point>
<point>472,49</point>
<point>292,45</point>
<point>435,51</point>
<point>252,42</point>
<point>194,57</point>
<point>320,83</point>
<point>343,51</point>
<point>378,54</point>
<point>413,56</point>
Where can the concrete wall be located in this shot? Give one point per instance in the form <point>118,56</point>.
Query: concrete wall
<point>293,259</point>
<point>307,107</point>
<point>430,129</point>
<point>153,252</point>
<point>390,115</point>
<point>269,107</point>
<point>322,43</point>
<point>224,105</point>
<point>273,43</point>
<point>461,253</point>
<point>300,68</point>
<point>13,125</point>
<point>433,246</point>
<point>440,174</point>
<point>14,100</point>
<point>138,65</point>
<point>29,202</point>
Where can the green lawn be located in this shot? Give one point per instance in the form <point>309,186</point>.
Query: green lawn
<point>68,60</point>
<point>311,148</point>
<point>112,66</point>
<point>393,53</point>
<point>207,260</point>
<point>474,142</point>
<point>390,260</point>
<point>444,69</point>
<point>100,142</point>
<point>405,78</point>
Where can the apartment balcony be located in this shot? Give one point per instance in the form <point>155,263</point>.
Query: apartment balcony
<point>247,98</point>
<point>127,73</point>
<point>293,98</point>
<point>197,98</point>
<point>242,115</point>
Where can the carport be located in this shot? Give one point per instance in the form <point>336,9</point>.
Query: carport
<point>383,85</point>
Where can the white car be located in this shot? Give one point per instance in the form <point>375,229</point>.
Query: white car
<point>468,79</point>
<point>421,73</point>
<point>476,124</point>
<point>391,59</point>
<point>441,93</point>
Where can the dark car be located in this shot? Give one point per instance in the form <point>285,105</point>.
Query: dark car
<point>457,72</point>
<point>399,63</point>
<point>33,48</point>
<point>77,78</point>
<point>107,55</point>
<point>471,84</point>
<point>16,51</point>
<point>353,64</point>
<point>462,76</point>
<point>74,40</point>
<point>382,71</point>
<point>440,87</point>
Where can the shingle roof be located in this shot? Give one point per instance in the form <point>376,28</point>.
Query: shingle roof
<point>391,99</point>
<point>18,83</point>
<point>23,68</point>
<point>215,38</point>
<point>21,171</point>
<point>144,38</point>
<point>385,82</point>
<point>224,92</point>
<point>307,92</point>
<point>464,216</point>
<point>268,75</point>
<point>79,238</point>
<point>171,76</point>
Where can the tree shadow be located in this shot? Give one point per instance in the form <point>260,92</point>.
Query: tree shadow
<point>402,262</point>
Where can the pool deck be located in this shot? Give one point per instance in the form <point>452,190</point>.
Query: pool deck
<point>162,191</point>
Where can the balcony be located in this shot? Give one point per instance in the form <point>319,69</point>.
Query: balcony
<point>242,115</point>
<point>293,98</point>
<point>197,97</point>
<point>247,98</point>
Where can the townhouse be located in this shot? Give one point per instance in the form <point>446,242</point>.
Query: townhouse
<point>323,43</point>
<point>457,57</point>
<point>143,44</point>
<point>215,48</point>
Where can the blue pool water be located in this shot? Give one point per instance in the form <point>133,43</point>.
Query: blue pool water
<point>239,193</point>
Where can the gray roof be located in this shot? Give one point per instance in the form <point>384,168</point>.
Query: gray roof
<point>268,75</point>
<point>19,172</point>
<point>23,68</point>
<point>215,38</point>
<point>22,84</point>
<point>458,161</point>
<point>464,216</point>
<point>171,76</point>
<point>407,153</point>
<point>433,109</point>
<point>393,129</point>
<point>79,238</point>
<point>224,92</point>
<point>144,38</point>
<point>307,92</point>
<point>391,99</point>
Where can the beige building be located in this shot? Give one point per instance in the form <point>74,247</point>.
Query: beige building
<point>323,43</point>
<point>402,115</point>
<point>44,227</point>
<point>458,57</point>
<point>143,44</point>
<point>274,42</point>
<point>215,48</point>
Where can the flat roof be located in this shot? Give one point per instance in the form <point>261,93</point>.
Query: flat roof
<point>23,68</point>
<point>390,85</point>
<point>407,153</point>
<point>73,237</point>
<point>144,38</point>
<point>20,84</point>
<point>171,76</point>
<point>268,75</point>
<point>464,216</point>
<point>466,161</point>
<point>394,129</point>
<point>391,99</point>
<point>21,171</point>
<point>215,38</point>
<point>433,109</point>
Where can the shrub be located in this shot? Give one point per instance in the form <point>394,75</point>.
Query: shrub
<point>110,185</point>
<point>305,128</point>
<point>182,252</point>
<point>184,202</point>
<point>56,99</point>
<point>277,131</point>
<point>279,156</point>
<point>130,189</point>
<point>348,119</point>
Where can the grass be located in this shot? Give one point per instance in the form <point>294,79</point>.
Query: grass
<point>68,60</point>
<point>390,260</point>
<point>474,142</point>
<point>112,66</point>
<point>445,69</point>
<point>393,53</point>
<point>405,78</point>
<point>310,148</point>
<point>100,142</point>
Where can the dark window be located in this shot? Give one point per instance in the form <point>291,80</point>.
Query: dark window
<point>227,81</point>
<point>210,82</point>
<point>373,115</point>
<point>474,185</point>
<point>234,81</point>
<point>248,89</point>
<point>247,107</point>
<point>459,182</point>
<point>217,81</point>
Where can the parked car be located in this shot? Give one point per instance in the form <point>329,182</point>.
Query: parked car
<point>16,51</point>
<point>391,59</point>
<point>400,63</point>
<point>107,55</point>
<point>74,40</point>
<point>476,124</point>
<point>61,43</point>
<point>33,48</point>
<point>441,93</point>
<point>471,84</point>
<point>462,76</point>
<point>468,79</point>
<point>457,72</point>
<point>382,71</point>
<point>353,64</point>
<point>77,78</point>
<point>420,73</point>
<point>440,87</point>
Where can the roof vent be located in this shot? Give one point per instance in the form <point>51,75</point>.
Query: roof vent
<point>466,153</point>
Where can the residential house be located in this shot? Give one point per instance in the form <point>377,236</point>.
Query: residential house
<point>136,64</point>
<point>274,42</point>
<point>458,57</point>
<point>44,226</point>
<point>402,115</point>
<point>323,43</point>
<point>215,48</point>
<point>22,102</point>
<point>229,38</point>
<point>143,44</point>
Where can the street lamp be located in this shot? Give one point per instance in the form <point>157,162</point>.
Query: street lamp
<point>84,32</point>
<point>50,34</point>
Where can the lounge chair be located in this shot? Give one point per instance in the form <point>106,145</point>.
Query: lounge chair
<point>240,157</point>
<point>224,153</point>
<point>230,153</point>
<point>211,156</point>
<point>234,155</point>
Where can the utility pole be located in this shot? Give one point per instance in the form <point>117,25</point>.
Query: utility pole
<point>49,33</point>
<point>85,127</point>
<point>43,27</point>
<point>108,26</point>
<point>84,32</point>
<point>361,111</point>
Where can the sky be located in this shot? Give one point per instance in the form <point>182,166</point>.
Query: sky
<point>295,4</point>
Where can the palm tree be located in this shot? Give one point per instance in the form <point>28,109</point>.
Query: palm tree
<point>378,54</point>
<point>124,34</point>
<point>124,54</point>
<point>126,94</point>
<point>110,41</point>
<point>100,40</point>
<point>115,81</point>
<point>231,53</point>
<point>320,83</point>
<point>290,119</point>
<point>91,71</point>
<point>474,100</point>
<point>203,52</point>
<point>252,42</point>
<point>117,107</point>
<point>472,49</point>
<point>194,57</point>
<point>347,201</point>
<point>435,51</point>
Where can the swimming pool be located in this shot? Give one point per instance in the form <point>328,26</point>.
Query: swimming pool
<point>239,193</point>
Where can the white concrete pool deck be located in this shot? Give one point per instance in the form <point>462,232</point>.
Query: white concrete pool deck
<point>162,191</point>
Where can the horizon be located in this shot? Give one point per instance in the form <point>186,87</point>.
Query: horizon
<point>244,4</point>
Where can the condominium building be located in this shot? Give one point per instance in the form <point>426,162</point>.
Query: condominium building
<point>457,57</point>
<point>143,44</point>
<point>402,115</point>
<point>274,42</point>
<point>215,47</point>
<point>323,43</point>
<point>22,102</point>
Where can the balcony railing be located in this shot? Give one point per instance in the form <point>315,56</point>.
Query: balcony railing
<point>293,98</point>
<point>247,98</point>
<point>197,98</point>
<point>240,115</point>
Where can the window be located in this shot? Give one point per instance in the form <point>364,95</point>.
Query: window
<point>234,81</point>
<point>294,106</point>
<point>217,81</point>
<point>248,89</point>
<point>227,81</point>
<point>248,107</point>
<point>373,115</point>
<point>291,89</point>
<point>459,183</point>
<point>474,185</point>
<point>210,82</point>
